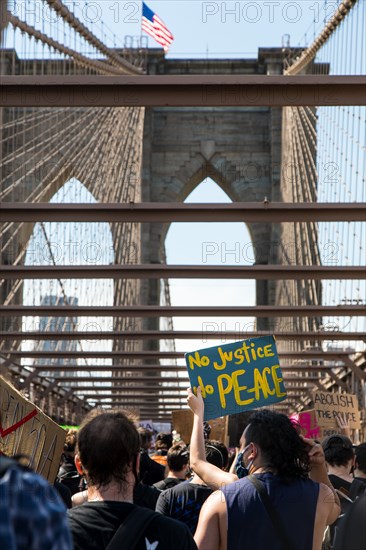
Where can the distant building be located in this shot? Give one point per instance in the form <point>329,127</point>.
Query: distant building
<point>57,324</point>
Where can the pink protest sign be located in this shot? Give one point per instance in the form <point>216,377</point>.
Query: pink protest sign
<point>307,421</point>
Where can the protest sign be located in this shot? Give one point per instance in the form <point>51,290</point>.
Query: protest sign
<point>26,430</point>
<point>307,421</point>
<point>219,429</point>
<point>183,424</point>
<point>329,405</point>
<point>147,424</point>
<point>162,427</point>
<point>236,377</point>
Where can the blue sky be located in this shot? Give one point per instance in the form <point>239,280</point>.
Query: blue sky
<point>232,29</point>
<point>215,28</point>
<point>209,244</point>
<point>200,28</point>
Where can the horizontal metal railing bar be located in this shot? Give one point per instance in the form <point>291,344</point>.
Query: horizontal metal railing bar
<point>127,379</point>
<point>153,271</point>
<point>158,391</point>
<point>154,379</point>
<point>180,335</point>
<point>143,393</point>
<point>327,355</point>
<point>152,403</point>
<point>291,400</point>
<point>164,412</point>
<point>168,401</point>
<point>103,368</point>
<point>135,399</point>
<point>149,368</point>
<point>184,311</point>
<point>128,389</point>
<point>159,408</point>
<point>178,212</point>
<point>181,90</point>
<point>150,399</point>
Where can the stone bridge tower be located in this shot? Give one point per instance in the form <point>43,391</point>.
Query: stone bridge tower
<point>238,147</point>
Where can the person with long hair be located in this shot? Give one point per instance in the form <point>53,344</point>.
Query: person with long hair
<point>281,496</point>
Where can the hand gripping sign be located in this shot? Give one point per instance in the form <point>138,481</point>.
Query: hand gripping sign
<point>237,377</point>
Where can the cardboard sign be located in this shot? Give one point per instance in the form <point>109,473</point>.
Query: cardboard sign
<point>183,424</point>
<point>329,405</point>
<point>308,423</point>
<point>237,377</point>
<point>219,429</point>
<point>26,430</point>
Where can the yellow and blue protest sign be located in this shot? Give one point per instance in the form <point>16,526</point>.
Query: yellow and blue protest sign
<point>237,377</point>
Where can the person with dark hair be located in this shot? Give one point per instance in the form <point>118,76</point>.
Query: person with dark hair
<point>143,494</point>
<point>185,501</point>
<point>281,498</point>
<point>177,461</point>
<point>145,438</point>
<point>68,474</point>
<point>340,457</point>
<point>217,453</point>
<point>108,452</point>
<point>150,471</point>
<point>163,442</point>
<point>360,463</point>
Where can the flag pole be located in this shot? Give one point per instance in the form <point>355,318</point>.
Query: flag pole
<point>141,25</point>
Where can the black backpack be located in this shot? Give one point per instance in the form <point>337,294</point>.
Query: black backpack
<point>351,533</point>
<point>347,501</point>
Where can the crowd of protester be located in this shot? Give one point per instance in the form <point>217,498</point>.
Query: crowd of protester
<point>117,488</point>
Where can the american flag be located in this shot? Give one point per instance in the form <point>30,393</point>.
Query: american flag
<point>155,27</point>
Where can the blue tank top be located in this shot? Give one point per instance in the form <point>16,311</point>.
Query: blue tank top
<point>250,527</point>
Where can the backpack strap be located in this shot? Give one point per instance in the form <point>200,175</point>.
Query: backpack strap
<point>132,529</point>
<point>357,489</point>
<point>271,511</point>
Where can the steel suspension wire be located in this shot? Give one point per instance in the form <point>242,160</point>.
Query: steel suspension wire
<point>72,155</point>
<point>81,153</point>
<point>309,53</point>
<point>79,59</point>
<point>16,236</point>
<point>75,23</point>
<point>49,167</point>
<point>325,152</point>
<point>110,169</point>
<point>342,163</point>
